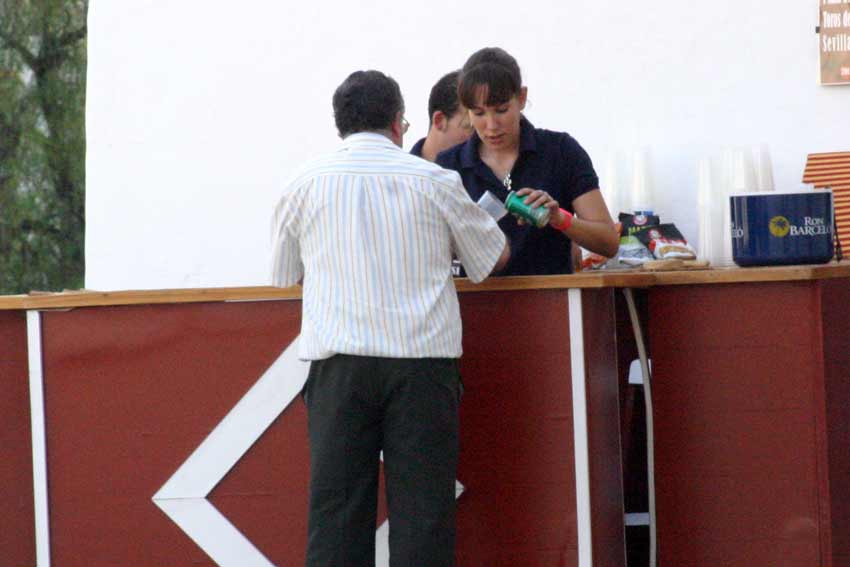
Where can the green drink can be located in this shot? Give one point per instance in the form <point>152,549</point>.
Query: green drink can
<point>538,216</point>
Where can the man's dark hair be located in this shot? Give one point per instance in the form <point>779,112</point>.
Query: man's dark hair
<point>494,72</point>
<point>367,101</point>
<point>444,96</point>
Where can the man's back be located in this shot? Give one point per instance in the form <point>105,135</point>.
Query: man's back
<point>376,229</point>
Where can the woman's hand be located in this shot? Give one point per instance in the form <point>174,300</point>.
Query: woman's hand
<point>539,198</point>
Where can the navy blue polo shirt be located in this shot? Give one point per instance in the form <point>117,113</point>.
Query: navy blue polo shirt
<point>417,148</point>
<point>551,161</point>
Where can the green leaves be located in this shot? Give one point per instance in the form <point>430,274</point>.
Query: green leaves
<point>42,144</point>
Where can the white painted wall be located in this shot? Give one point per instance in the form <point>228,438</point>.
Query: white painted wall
<point>199,109</point>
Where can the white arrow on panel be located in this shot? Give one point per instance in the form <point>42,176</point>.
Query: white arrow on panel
<point>184,496</point>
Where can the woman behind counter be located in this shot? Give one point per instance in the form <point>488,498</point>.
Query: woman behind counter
<point>549,168</point>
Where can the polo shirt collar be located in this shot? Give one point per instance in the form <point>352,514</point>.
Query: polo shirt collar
<point>527,139</point>
<point>527,143</point>
<point>417,148</point>
<point>469,152</point>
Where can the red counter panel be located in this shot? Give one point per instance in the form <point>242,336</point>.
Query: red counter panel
<point>130,392</point>
<point>835,300</point>
<point>516,458</point>
<point>735,368</point>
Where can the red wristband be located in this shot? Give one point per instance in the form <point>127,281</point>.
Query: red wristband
<point>566,223</point>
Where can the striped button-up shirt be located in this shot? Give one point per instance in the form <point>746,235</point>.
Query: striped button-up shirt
<point>372,231</point>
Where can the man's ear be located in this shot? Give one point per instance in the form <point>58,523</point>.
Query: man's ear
<point>396,130</point>
<point>440,121</point>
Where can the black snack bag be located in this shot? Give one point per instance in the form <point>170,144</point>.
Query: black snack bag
<point>632,251</point>
<point>633,224</point>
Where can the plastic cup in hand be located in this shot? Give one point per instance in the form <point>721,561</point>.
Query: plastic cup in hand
<point>494,207</point>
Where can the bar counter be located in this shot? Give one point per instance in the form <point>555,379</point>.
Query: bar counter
<point>584,280</point>
<point>162,427</point>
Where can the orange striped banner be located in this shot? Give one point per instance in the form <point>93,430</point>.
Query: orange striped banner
<point>833,170</point>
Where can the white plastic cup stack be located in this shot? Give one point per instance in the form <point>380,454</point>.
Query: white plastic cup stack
<point>734,176</point>
<point>707,224</point>
<point>642,197</point>
<point>763,169</point>
<point>743,178</point>
<point>612,185</point>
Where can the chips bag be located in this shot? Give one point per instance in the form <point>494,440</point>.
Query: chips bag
<point>666,242</point>
<point>633,252</point>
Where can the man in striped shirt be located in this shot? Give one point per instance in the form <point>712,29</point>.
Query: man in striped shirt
<point>371,231</point>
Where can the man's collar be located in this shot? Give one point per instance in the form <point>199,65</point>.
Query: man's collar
<point>361,139</point>
<point>527,143</point>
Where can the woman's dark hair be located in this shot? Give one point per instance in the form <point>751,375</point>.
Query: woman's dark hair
<point>494,72</point>
<point>367,101</point>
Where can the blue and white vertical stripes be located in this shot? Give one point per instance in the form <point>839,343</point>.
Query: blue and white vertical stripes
<point>372,231</point>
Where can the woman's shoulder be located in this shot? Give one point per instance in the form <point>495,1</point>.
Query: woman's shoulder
<point>545,140</point>
<point>560,144</point>
<point>555,138</point>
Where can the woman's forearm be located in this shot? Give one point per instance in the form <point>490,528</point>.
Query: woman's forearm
<point>597,236</point>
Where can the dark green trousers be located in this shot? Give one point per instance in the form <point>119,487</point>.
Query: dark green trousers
<point>408,408</point>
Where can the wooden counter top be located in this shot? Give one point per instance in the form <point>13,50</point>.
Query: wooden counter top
<point>618,279</point>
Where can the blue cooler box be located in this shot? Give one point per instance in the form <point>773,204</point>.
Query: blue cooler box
<point>779,228</point>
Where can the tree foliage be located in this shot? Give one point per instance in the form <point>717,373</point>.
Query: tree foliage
<point>42,144</point>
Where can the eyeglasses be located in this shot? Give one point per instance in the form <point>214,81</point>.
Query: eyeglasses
<point>404,125</point>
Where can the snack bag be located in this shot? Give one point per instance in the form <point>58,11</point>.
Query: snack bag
<point>633,252</point>
<point>592,260</point>
<point>636,223</point>
<point>666,242</point>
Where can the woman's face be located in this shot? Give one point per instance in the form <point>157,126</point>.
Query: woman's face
<point>498,125</point>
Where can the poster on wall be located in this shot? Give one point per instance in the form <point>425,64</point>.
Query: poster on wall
<point>834,42</point>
